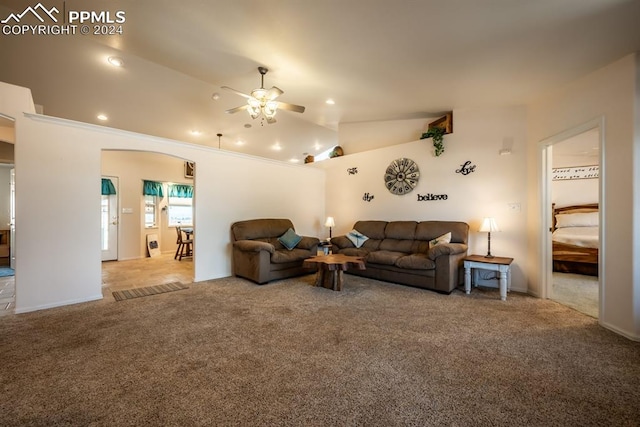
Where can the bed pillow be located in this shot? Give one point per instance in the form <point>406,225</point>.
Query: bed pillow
<point>357,238</point>
<point>289,239</point>
<point>445,238</point>
<point>582,219</point>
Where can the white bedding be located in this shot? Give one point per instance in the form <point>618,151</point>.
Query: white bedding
<point>586,237</point>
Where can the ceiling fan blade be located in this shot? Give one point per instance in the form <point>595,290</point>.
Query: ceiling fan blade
<point>235,110</point>
<point>237,92</point>
<point>291,107</point>
<point>273,93</point>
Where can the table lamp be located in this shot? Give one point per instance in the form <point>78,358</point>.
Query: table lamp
<point>488,225</point>
<point>330,223</point>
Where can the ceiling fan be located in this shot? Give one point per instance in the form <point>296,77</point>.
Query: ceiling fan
<point>263,101</point>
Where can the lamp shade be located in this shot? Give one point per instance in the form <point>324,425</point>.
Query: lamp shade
<point>489,225</point>
<point>330,222</point>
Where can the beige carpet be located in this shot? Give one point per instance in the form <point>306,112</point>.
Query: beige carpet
<point>577,291</point>
<point>228,352</point>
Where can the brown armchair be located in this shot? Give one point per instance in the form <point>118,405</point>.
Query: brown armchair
<point>259,256</point>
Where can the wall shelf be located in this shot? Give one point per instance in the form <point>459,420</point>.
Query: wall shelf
<point>445,122</point>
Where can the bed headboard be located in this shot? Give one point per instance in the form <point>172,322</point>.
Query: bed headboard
<point>587,207</point>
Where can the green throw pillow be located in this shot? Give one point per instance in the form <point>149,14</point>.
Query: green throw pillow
<point>290,239</point>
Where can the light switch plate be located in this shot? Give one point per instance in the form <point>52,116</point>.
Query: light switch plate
<point>514,207</point>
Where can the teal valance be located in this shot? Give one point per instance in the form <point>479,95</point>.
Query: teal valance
<point>152,188</point>
<point>180,190</point>
<point>107,187</point>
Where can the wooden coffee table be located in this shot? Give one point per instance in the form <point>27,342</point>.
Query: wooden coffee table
<point>330,268</point>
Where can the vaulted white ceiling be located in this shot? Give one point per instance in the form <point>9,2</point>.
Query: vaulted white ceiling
<point>378,59</point>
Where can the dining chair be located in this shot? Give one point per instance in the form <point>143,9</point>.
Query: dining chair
<point>185,245</point>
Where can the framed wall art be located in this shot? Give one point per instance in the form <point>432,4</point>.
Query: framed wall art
<point>189,169</point>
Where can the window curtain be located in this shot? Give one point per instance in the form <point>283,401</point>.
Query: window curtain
<point>152,188</point>
<point>107,187</point>
<point>180,190</point>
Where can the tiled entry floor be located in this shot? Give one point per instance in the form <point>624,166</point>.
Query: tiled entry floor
<point>7,294</point>
<point>119,275</point>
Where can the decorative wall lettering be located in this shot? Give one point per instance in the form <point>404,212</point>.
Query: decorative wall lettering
<point>352,171</point>
<point>429,197</point>
<point>367,197</point>
<point>466,168</point>
<point>578,172</point>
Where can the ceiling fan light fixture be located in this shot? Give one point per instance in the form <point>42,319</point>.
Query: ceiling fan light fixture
<point>259,94</point>
<point>270,108</point>
<point>253,112</point>
<point>263,101</point>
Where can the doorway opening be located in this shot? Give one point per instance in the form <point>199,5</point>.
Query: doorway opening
<point>154,192</point>
<point>7,215</point>
<point>109,218</point>
<point>573,215</point>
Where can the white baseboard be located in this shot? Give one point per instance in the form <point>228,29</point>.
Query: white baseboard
<point>619,331</point>
<point>130,258</point>
<point>21,310</point>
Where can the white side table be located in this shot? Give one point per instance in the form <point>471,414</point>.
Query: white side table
<point>499,264</point>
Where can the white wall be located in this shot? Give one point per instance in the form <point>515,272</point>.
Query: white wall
<point>611,93</point>
<point>497,181</point>
<point>364,136</point>
<point>5,196</point>
<point>574,192</point>
<point>15,100</point>
<point>58,165</point>
<point>131,168</point>
<point>6,136</point>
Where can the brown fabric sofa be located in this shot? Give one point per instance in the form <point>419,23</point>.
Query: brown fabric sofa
<point>258,255</point>
<point>398,251</point>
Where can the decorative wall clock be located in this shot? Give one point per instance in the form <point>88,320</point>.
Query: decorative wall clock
<point>401,176</point>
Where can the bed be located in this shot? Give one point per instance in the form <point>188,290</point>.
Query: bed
<point>575,239</point>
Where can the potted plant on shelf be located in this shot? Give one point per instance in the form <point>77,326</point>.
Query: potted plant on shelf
<point>437,133</point>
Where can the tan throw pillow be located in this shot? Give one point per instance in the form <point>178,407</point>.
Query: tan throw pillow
<point>445,238</point>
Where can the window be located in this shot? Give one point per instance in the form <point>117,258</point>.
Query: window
<point>150,211</point>
<point>180,211</point>
<point>180,204</point>
<point>324,155</point>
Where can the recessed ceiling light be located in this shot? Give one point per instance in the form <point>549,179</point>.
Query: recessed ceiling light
<point>215,96</point>
<point>195,132</point>
<point>238,142</point>
<point>330,101</point>
<point>294,160</point>
<point>102,117</point>
<point>116,61</point>
<point>318,146</point>
<point>276,146</point>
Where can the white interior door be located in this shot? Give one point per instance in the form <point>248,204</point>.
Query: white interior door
<point>109,221</point>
